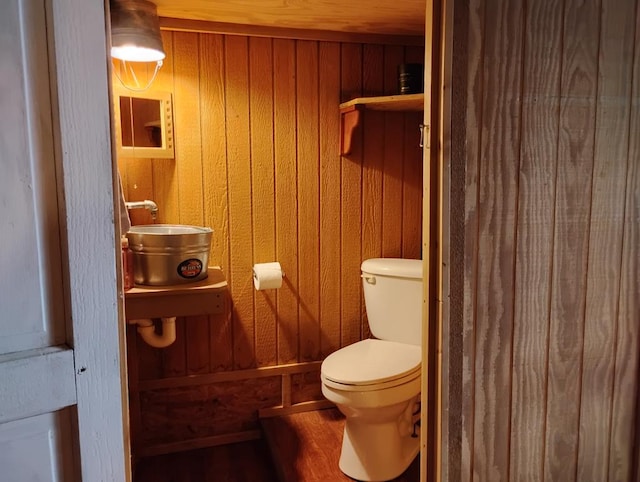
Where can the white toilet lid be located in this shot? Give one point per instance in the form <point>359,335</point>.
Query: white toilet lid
<point>370,362</point>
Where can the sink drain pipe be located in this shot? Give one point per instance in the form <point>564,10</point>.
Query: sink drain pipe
<point>147,331</point>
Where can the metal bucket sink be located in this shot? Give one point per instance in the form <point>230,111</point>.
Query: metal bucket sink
<point>169,254</point>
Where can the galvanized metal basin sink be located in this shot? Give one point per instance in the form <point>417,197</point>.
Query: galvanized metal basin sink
<point>169,254</point>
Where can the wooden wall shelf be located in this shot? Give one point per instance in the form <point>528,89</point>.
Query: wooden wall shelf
<point>204,297</point>
<point>350,112</point>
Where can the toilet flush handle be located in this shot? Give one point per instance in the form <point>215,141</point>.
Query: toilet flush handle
<point>368,278</point>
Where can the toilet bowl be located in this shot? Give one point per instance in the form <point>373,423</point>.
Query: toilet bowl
<point>375,383</point>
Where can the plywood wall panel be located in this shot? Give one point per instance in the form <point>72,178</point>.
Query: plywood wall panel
<point>188,141</point>
<point>286,196</point>
<point>393,161</point>
<point>372,165</point>
<point>538,164</point>
<point>351,209</point>
<point>215,189</point>
<point>197,353</point>
<point>412,187</point>
<point>308,148</point>
<point>412,172</point>
<point>180,414</point>
<point>147,359</point>
<point>570,253</point>
<point>330,196</point>
<point>499,152</point>
<point>239,194</point>
<point>262,188</point>
<point>165,179</point>
<point>257,135</point>
<point>549,363</point>
<point>191,210</point>
<point>214,146</point>
<point>257,140</point>
<point>605,235</point>
<point>472,162</point>
<point>624,407</point>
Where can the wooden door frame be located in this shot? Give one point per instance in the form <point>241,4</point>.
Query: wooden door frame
<point>78,64</point>
<point>436,206</point>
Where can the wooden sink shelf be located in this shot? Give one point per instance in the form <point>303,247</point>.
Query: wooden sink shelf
<point>204,297</point>
<point>350,112</point>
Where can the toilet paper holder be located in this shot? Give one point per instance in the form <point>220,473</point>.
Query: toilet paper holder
<point>267,275</point>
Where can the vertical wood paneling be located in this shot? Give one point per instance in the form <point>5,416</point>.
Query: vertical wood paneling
<point>394,149</point>
<point>284,60</point>
<point>330,197</point>
<point>191,210</point>
<point>133,377</point>
<point>149,359</point>
<point>550,348</point>
<point>188,145</point>
<point>412,174</point>
<point>307,121</point>
<point>351,210</point>
<point>188,170</point>
<point>262,174</point>
<point>571,242</point>
<point>627,343</point>
<point>500,154</point>
<point>257,136</point>
<point>605,236</point>
<point>174,357</point>
<point>372,164</point>
<point>198,353</point>
<point>539,146</point>
<point>165,180</point>
<point>471,257</point>
<point>240,208</point>
<point>214,146</point>
<point>215,187</point>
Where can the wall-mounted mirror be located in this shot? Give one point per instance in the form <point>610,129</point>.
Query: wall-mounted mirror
<point>144,125</point>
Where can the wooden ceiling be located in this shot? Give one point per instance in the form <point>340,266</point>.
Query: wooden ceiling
<point>386,17</point>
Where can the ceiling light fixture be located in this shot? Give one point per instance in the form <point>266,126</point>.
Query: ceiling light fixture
<point>135,31</point>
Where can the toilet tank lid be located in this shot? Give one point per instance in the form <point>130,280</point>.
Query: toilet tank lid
<point>402,268</point>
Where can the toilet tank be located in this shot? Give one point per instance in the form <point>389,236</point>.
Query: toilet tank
<point>393,298</point>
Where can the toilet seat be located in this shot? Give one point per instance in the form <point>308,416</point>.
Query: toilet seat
<point>372,364</point>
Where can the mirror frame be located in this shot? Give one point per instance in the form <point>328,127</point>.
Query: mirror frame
<point>166,125</point>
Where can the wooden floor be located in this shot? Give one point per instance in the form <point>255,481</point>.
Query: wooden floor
<point>241,462</point>
<point>305,447</point>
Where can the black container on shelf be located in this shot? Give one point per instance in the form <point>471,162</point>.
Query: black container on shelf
<point>410,78</point>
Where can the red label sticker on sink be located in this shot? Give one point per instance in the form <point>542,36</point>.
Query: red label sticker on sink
<point>190,268</point>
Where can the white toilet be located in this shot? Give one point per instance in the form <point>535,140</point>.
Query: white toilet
<point>375,383</point>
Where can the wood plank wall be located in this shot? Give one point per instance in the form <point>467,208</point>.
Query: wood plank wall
<point>256,158</point>
<point>549,326</point>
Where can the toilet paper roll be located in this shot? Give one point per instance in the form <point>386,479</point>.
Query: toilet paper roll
<point>267,276</point>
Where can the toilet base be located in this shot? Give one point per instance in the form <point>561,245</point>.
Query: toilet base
<point>376,452</point>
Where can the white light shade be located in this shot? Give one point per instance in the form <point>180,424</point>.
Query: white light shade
<point>133,53</point>
<point>135,31</point>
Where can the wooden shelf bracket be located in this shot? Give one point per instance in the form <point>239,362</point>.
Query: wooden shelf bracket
<point>349,120</point>
<point>350,112</point>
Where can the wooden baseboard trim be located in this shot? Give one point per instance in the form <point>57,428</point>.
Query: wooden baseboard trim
<point>210,378</point>
<point>198,443</point>
<point>297,408</point>
<point>205,26</point>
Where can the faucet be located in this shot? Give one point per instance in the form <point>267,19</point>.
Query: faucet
<point>146,204</point>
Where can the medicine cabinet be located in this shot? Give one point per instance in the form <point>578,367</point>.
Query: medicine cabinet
<point>144,124</point>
